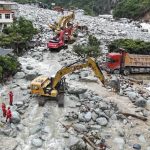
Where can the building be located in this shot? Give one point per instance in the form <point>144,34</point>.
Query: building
<point>8,11</point>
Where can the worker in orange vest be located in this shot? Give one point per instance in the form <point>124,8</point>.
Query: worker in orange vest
<point>4,109</point>
<point>8,115</point>
<point>11,98</point>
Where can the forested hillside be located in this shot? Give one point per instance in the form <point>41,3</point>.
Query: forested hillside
<point>122,8</point>
<point>134,9</point>
<point>91,7</point>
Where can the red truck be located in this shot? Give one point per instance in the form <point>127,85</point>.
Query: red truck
<point>126,63</point>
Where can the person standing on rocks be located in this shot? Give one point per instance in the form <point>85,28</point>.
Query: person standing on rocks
<point>4,109</point>
<point>8,115</point>
<point>11,98</point>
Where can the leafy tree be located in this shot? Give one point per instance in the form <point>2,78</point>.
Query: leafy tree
<point>8,66</point>
<point>131,46</point>
<point>131,8</point>
<point>18,34</point>
<point>90,50</point>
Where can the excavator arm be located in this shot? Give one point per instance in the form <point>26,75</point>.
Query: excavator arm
<point>67,19</point>
<point>90,63</point>
<point>62,22</point>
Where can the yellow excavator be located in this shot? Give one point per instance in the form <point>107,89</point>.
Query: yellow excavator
<point>55,86</point>
<point>62,23</point>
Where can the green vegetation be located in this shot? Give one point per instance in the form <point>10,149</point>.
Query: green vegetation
<point>90,50</point>
<point>8,67</point>
<point>17,35</point>
<point>91,7</point>
<point>131,8</point>
<point>131,46</point>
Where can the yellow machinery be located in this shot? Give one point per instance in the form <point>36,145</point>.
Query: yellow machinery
<point>55,86</point>
<point>62,23</point>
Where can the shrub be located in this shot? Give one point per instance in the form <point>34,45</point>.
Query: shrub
<point>131,46</point>
<point>90,50</point>
<point>8,66</point>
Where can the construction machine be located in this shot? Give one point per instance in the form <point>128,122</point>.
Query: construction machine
<point>62,38</point>
<point>62,23</point>
<point>126,63</point>
<point>54,87</point>
<point>57,42</point>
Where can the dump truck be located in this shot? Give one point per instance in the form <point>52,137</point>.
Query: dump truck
<point>54,87</point>
<point>126,63</point>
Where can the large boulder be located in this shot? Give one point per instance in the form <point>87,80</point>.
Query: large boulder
<point>140,102</point>
<point>31,75</point>
<point>77,90</point>
<point>15,117</point>
<point>132,95</point>
<point>102,121</point>
<point>19,75</point>
<point>80,127</point>
<point>37,142</point>
<point>88,116</point>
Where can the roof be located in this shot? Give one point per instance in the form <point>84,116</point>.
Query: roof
<point>8,3</point>
<point>5,11</point>
<point>4,52</point>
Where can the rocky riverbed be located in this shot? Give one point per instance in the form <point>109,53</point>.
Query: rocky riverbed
<point>91,110</point>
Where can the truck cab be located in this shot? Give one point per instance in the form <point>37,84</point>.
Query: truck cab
<point>113,61</point>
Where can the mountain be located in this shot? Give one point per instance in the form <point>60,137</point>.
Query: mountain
<point>91,7</point>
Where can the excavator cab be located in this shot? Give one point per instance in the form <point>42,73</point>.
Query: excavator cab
<point>43,86</point>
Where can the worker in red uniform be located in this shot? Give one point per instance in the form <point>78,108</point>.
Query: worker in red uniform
<point>8,115</point>
<point>11,98</point>
<point>4,109</point>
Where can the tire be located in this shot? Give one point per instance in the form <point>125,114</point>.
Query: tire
<point>60,99</point>
<point>117,71</point>
<point>126,71</point>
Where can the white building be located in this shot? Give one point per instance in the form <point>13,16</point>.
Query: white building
<point>8,11</point>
